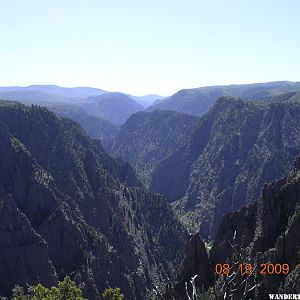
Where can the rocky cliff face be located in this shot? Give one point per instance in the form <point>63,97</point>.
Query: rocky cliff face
<point>236,228</point>
<point>233,151</point>
<point>277,234</point>
<point>72,209</point>
<point>265,232</point>
<point>148,138</point>
<point>277,209</point>
<point>195,266</point>
<point>18,243</point>
<point>215,164</point>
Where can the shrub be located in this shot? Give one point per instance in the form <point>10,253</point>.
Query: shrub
<point>113,294</point>
<point>66,290</point>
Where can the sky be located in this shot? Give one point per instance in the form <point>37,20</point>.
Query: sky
<point>142,46</point>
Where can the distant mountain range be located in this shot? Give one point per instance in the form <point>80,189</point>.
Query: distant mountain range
<point>35,97</point>
<point>227,165</point>
<point>147,100</point>
<point>112,107</point>
<point>66,94</point>
<point>198,101</point>
<point>94,126</point>
<point>117,107</point>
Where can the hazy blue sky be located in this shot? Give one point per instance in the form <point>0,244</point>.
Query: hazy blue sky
<point>153,46</point>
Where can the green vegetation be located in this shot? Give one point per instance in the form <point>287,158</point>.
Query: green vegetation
<point>189,220</point>
<point>113,294</point>
<point>66,290</point>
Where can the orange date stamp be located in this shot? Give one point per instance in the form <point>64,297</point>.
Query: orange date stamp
<point>248,269</point>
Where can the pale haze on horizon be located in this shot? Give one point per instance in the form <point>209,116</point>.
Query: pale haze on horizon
<point>142,47</point>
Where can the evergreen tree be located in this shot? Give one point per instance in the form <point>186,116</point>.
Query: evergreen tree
<point>113,294</point>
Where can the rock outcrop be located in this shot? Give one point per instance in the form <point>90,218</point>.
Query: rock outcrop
<point>195,267</point>
<point>266,232</point>
<point>24,255</point>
